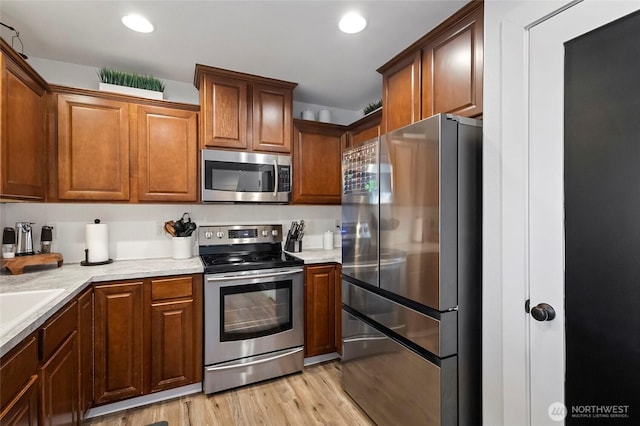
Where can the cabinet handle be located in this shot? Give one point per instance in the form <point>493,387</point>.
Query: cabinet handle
<point>275,166</point>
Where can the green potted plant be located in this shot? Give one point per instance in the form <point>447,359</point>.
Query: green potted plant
<point>372,107</point>
<point>145,86</point>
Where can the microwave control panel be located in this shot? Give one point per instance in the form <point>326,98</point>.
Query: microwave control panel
<point>284,179</point>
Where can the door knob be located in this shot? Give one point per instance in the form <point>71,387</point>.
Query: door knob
<point>543,312</point>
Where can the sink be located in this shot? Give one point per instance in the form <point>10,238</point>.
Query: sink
<point>17,306</point>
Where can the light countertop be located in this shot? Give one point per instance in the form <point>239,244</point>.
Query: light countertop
<point>311,256</point>
<point>73,279</point>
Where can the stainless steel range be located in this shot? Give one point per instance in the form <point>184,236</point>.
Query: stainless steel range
<point>253,306</point>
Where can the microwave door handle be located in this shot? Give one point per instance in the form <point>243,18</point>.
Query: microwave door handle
<point>275,167</point>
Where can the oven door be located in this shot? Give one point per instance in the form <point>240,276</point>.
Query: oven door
<point>252,312</point>
<point>231,176</point>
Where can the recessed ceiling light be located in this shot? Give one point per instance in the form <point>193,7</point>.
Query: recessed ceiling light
<point>352,23</point>
<point>137,23</point>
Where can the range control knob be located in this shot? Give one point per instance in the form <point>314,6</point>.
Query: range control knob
<point>274,232</point>
<point>220,234</point>
<point>265,233</point>
<point>208,234</point>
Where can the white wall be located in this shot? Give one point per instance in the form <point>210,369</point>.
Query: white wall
<point>135,230</point>
<point>84,77</point>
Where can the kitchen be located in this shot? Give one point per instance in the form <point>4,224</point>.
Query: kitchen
<point>504,378</point>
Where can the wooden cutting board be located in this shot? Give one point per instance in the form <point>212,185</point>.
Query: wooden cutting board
<point>17,264</point>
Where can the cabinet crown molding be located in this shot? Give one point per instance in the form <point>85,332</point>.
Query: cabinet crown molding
<point>206,69</point>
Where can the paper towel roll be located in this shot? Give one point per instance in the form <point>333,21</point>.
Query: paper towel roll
<point>97,241</point>
<point>327,242</point>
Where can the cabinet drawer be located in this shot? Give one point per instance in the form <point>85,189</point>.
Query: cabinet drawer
<point>16,370</point>
<point>57,330</point>
<point>171,288</point>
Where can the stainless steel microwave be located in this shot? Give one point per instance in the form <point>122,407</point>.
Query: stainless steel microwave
<point>245,177</point>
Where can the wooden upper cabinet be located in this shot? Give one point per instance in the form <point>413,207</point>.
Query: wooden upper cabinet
<point>401,94</point>
<point>452,69</point>
<point>272,114</point>
<point>439,73</point>
<point>93,148</point>
<point>364,130</point>
<point>224,111</point>
<point>317,159</point>
<point>23,124</point>
<point>167,154</point>
<point>244,111</point>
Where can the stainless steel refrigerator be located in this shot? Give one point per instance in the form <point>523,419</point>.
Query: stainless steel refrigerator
<point>411,265</point>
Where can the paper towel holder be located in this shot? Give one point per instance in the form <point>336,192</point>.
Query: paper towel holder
<point>86,262</point>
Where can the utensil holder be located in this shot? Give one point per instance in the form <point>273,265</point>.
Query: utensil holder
<point>181,247</point>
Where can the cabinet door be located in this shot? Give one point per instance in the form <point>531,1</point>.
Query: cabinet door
<point>272,111</point>
<point>59,385</point>
<point>364,130</point>
<point>19,384</point>
<point>224,108</point>
<point>401,94</point>
<point>172,344</point>
<point>93,148</point>
<point>176,331</point>
<point>452,69</point>
<point>317,159</point>
<point>24,410</point>
<point>85,349</point>
<point>118,347</point>
<point>319,295</point>
<point>167,154</point>
<point>23,144</point>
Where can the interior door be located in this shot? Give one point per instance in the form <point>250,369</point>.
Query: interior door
<point>577,196</point>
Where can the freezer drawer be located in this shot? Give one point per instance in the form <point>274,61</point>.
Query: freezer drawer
<point>393,384</point>
<point>436,336</point>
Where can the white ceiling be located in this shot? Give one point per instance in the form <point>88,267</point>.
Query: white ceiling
<point>295,41</point>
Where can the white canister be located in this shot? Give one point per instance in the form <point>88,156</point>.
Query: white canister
<point>181,247</point>
<point>327,241</point>
<point>324,116</point>
<point>308,115</point>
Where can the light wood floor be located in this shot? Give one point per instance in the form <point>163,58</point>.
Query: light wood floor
<point>313,397</point>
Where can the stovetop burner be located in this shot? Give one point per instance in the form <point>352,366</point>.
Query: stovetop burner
<point>243,248</point>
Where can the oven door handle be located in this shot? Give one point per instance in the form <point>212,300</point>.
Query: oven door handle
<point>258,361</point>
<point>247,277</point>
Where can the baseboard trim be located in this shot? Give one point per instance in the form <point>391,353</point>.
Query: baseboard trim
<point>321,358</point>
<point>143,400</point>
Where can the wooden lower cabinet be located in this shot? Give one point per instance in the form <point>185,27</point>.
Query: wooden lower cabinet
<point>148,336</point>
<point>19,384</point>
<point>320,309</point>
<point>85,349</point>
<point>59,385</point>
<point>176,332</point>
<point>118,340</point>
